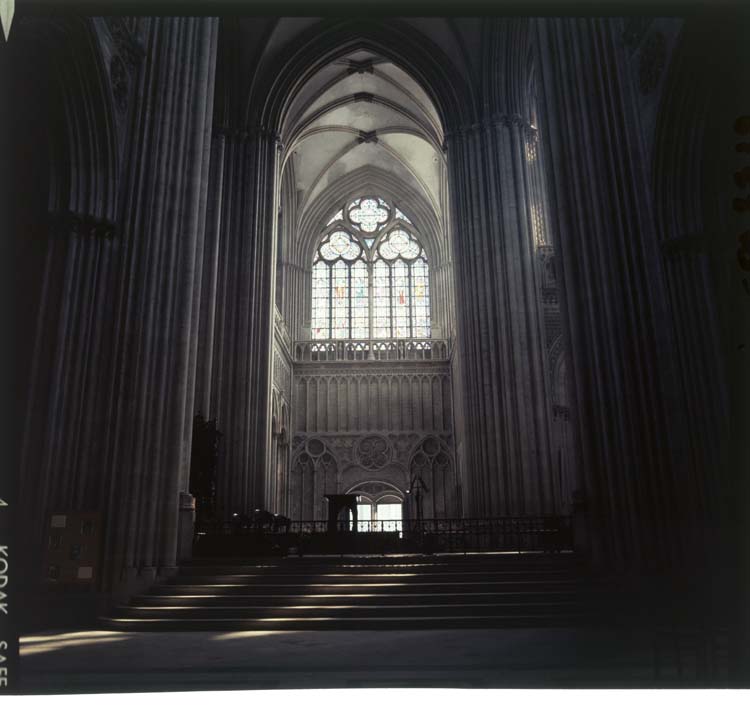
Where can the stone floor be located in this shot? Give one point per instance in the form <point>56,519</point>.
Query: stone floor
<point>95,660</point>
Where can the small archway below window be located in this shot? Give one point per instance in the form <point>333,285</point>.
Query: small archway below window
<point>379,506</point>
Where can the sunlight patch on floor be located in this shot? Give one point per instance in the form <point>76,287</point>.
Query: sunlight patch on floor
<point>250,634</point>
<point>41,644</point>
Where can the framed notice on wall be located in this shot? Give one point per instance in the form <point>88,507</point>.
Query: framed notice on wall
<point>73,540</point>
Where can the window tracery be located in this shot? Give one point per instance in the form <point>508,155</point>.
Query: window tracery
<point>370,276</point>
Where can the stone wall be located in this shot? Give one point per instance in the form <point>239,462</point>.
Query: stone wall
<point>373,426</point>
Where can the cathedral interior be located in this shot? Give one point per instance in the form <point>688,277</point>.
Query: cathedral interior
<point>471,273</point>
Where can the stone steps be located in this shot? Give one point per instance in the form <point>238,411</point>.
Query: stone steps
<point>417,592</point>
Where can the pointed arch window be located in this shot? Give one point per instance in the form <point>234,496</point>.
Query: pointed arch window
<point>370,276</point>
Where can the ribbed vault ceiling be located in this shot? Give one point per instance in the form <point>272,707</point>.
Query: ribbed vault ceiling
<point>362,111</point>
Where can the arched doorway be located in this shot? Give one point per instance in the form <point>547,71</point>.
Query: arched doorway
<point>380,506</point>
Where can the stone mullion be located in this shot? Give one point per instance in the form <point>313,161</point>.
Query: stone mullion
<point>427,403</point>
<point>437,403</point>
<point>328,384</point>
<point>401,414</point>
<point>304,300</point>
<point>303,285</point>
<point>308,406</point>
<point>393,407</point>
<point>322,403</point>
<point>289,287</point>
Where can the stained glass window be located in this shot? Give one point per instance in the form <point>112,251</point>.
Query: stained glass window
<point>370,277</point>
<point>360,301</point>
<point>420,300</point>
<point>400,298</point>
<point>320,298</point>
<point>368,214</point>
<point>381,301</point>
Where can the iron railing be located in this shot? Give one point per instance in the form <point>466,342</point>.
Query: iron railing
<point>371,350</point>
<point>523,533</point>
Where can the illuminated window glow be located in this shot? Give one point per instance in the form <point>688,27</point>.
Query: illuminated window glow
<point>370,277</point>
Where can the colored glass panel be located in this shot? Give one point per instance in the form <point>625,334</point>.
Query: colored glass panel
<point>420,300</point>
<point>400,299</point>
<point>368,214</point>
<point>354,297</point>
<point>381,323</point>
<point>399,243</point>
<point>340,245</point>
<point>360,301</point>
<point>340,301</point>
<point>320,301</point>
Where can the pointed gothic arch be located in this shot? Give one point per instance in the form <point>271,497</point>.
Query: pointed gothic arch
<point>327,41</point>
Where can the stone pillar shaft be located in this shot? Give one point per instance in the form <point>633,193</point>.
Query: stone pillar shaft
<point>612,290</point>
<point>158,309</point>
<point>501,352</point>
<point>241,383</point>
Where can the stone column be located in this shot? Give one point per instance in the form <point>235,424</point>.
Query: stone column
<point>163,218</point>
<point>612,293</point>
<point>244,331</point>
<point>62,447</point>
<point>207,344</point>
<point>506,436</point>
